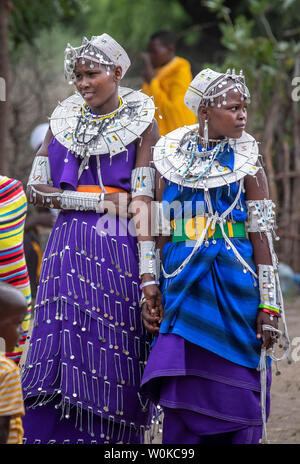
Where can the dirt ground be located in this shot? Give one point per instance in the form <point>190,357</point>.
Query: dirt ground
<point>284,421</point>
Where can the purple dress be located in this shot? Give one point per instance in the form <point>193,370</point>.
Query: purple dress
<point>205,398</point>
<point>88,347</point>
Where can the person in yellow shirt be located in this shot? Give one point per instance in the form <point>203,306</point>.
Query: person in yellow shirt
<point>166,78</point>
<point>13,308</point>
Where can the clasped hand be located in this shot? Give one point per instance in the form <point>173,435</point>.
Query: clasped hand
<point>152,309</point>
<point>269,337</point>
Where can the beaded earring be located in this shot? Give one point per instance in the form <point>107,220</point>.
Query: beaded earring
<point>205,133</point>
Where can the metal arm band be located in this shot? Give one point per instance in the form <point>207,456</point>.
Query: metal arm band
<point>69,200</point>
<point>143,182</point>
<point>82,201</point>
<point>268,288</point>
<point>149,261</point>
<point>160,225</point>
<point>40,171</point>
<point>261,215</point>
<point>79,201</point>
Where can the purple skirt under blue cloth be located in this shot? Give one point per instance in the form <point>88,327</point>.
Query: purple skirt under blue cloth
<point>183,376</point>
<point>186,427</point>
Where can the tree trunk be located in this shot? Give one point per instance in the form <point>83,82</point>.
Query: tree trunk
<point>4,12</point>
<point>285,216</point>
<point>267,144</point>
<point>295,216</point>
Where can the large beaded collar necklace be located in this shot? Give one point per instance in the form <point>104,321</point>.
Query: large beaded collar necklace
<point>197,164</point>
<point>177,158</point>
<point>90,126</point>
<point>86,134</point>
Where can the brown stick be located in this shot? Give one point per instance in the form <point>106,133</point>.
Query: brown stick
<point>286,175</point>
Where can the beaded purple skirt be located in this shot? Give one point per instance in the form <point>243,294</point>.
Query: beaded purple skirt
<point>88,347</point>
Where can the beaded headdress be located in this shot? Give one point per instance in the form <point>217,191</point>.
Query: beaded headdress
<point>211,87</point>
<point>100,50</point>
<point>176,155</point>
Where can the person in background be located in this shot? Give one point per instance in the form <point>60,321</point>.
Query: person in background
<point>13,267</point>
<point>37,136</point>
<point>166,79</point>
<point>13,309</point>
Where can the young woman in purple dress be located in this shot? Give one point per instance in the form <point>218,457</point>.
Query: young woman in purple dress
<point>88,348</point>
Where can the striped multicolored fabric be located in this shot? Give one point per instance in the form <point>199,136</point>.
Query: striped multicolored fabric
<point>13,269</point>
<point>11,399</point>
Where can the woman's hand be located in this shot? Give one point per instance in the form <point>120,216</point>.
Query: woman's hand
<point>268,337</point>
<point>117,204</point>
<point>151,319</point>
<point>153,300</point>
<point>152,309</point>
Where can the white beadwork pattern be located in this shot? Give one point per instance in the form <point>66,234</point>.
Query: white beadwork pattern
<point>143,182</point>
<point>261,215</point>
<point>170,158</point>
<point>131,119</point>
<point>40,171</point>
<point>267,286</point>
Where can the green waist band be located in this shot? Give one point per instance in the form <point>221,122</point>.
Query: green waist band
<point>192,228</point>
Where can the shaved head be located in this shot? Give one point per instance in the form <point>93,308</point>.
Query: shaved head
<point>11,300</point>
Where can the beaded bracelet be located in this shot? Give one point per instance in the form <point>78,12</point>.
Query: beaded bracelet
<point>148,258</point>
<point>269,310</point>
<point>151,282</point>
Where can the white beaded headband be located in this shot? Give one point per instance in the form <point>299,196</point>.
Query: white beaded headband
<point>100,50</point>
<point>209,85</point>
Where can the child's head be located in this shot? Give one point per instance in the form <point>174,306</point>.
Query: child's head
<point>161,47</point>
<point>219,100</point>
<point>13,309</point>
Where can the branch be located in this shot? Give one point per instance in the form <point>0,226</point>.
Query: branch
<point>289,175</point>
<point>268,29</point>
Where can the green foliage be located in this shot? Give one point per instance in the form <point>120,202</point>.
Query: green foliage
<point>131,22</point>
<point>28,18</point>
<point>217,6</point>
<point>265,44</point>
<point>45,55</point>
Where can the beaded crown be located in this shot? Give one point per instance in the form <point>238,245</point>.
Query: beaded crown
<point>100,50</point>
<point>211,87</point>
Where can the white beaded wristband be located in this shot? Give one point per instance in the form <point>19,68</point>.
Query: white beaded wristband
<point>151,282</point>
<point>147,258</point>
